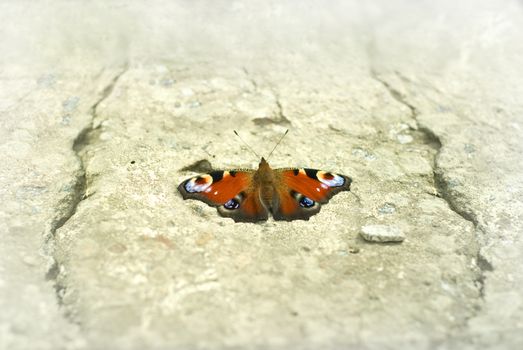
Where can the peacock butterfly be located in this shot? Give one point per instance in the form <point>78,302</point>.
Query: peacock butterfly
<point>247,195</point>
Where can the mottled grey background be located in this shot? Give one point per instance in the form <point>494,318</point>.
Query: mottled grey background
<point>103,103</point>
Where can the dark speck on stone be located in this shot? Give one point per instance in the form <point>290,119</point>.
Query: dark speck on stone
<point>167,82</point>
<point>443,109</point>
<point>195,104</point>
<point>132,162</point>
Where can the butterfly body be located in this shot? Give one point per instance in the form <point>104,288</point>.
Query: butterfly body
<point>250,195</point>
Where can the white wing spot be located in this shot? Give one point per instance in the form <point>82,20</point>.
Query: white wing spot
<point>336,180</point>
<point>192,186</point>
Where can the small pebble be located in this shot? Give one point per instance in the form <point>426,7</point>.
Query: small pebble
<point>469,148</point>
<point>382,233</point>
<point>71,103</point>
<point>66,120</point>
<point>354,250</point>
<point>363,154</point>
<point>167,82</point>
<point>387,208</point>
<point>195,104</point>
<point>453,183</point>
<point>105,136</point>
<point>403,139</point>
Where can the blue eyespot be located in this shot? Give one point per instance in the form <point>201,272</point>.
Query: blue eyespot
<point>232,204</point>
<point>306,202</point>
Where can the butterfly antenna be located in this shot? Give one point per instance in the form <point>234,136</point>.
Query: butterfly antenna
<point>246,144</point>
<point>281,138</point>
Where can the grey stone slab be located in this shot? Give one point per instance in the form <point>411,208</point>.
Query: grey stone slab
<point>416,102</point>
<point>161,263</point>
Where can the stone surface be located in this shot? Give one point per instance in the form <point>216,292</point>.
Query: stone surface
<point>103,115</point>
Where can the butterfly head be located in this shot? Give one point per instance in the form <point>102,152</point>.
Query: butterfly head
<point>264,165</point>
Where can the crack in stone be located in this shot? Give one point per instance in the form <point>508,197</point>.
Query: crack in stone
<point>445,192</point>
<point>280,119</point>
<point>82,139</point>
<point>251,79</point>
<point>281,115</point>
<point>79,190</point>
<point>441,184</point>
<point>80,142</point>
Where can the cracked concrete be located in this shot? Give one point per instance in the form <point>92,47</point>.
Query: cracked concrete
<point>441,185</point>
<point>100,251</point>
<point>278,117</point>
<point>38,187</point>
<point>79,188</point>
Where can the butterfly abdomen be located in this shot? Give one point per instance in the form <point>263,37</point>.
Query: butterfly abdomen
<point>267,193</point>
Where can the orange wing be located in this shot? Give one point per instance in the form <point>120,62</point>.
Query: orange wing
<point>302,191</point>
<point>230,191</point>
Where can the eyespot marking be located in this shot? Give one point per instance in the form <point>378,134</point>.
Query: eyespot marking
<point>200,180</point>
<point>306,202</point>
<point>232,204</point>
<point>303,201</point>
<point>330,179</point>
<point>198,184</point>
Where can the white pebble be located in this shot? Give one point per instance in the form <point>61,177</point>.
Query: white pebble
<point>403,139</point>
<point>382,233</point>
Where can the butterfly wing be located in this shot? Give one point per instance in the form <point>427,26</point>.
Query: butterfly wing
<point>301,192</point>
<point>232,192</point>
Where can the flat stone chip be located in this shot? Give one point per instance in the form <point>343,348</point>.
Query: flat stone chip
<point>382,233</point>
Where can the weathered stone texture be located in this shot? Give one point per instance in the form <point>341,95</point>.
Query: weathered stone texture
<point>418,103</point>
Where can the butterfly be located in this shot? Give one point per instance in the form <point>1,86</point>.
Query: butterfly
<point>248,195</point>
